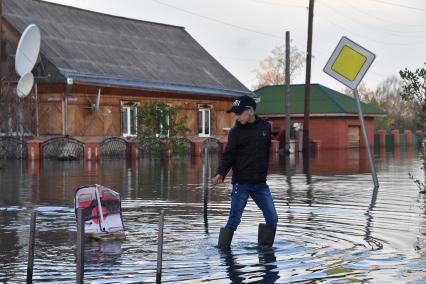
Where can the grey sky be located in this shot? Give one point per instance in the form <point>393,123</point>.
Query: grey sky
<point>239,33</point>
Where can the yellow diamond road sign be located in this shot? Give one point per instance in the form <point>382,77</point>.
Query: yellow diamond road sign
<point>349,63</point>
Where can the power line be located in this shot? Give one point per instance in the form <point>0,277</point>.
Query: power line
<point>228,24</point>
<point>399,5</point>
<point>278,4</point>
<point>381,29</point>
<point>218,21</point>
<point>381,19</point>
<point>368,38</point>
<point>322,54</point>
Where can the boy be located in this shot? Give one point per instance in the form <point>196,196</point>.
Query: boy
<point>247,153</point>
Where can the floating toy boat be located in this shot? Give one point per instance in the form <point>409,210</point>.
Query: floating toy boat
<point>95,199</point>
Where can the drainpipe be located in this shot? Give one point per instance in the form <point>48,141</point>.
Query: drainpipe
<point>66,96</point>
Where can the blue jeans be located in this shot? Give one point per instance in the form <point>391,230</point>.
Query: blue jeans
<point>261,194</point>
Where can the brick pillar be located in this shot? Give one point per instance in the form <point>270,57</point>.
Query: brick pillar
<point>275,146</point>
<point>90,166</point>
<point>382,153</point>
<point>198,147</point>
<point>169,151</point>
<point>396,153</point>
<point>34,149</point>
<point>92,150</point>
<point>197,163</point>
<point>134,150</point>
<point>34,166</point>
<point>395,134</point>
<point>382,138</point>
<point>408,138</point>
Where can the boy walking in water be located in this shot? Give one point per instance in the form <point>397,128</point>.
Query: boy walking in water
<point>247,153</point>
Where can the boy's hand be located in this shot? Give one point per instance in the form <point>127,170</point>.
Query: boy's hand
<point>217,179</point>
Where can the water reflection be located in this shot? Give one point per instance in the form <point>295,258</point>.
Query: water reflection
<point>333,224</point>
<point>373,242</point>
<point>266,268</point>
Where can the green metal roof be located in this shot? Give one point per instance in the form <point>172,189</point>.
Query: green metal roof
<point>323,101</point>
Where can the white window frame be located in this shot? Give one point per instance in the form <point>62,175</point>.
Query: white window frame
<point>204,110</point>
<point>161,128</point>
<point>127,109</point>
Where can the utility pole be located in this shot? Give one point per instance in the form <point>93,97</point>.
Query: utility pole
<point>68,86</point>
<point>287,92</point>
<point>307,103</point>
<point>2,51</point>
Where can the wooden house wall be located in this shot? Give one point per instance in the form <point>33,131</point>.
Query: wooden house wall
<point>107,122</point>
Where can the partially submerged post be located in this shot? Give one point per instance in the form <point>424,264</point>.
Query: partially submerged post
<point>287,92</point>
<point>67,92</point>
<point>160,247</point>
<point>307,101</point>
<point>365,137</point>
<point>205,187</point>
<point>80,246</point>
<point>31,245</point>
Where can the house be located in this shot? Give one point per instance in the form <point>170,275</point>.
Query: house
<point>334,118</point>
<point>128,62</point>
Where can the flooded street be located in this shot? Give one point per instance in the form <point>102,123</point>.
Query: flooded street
<point>333,227</point>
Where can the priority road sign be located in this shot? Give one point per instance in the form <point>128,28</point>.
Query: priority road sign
<point>349,63</point>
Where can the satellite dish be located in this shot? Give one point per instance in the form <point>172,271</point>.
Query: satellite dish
<point>25,85</point>
<point>27,50</point>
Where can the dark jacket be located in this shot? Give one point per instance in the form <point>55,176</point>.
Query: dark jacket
<point>247,152</point>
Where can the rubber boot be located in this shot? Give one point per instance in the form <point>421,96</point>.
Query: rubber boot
<point>225,238</point>
<point>266,235</point>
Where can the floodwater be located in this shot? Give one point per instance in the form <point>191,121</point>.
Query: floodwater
<point>333,226</point>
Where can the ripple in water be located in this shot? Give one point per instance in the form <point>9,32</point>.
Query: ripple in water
<point>332,228</point>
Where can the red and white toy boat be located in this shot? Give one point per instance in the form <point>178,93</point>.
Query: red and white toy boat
<point>95,199</point>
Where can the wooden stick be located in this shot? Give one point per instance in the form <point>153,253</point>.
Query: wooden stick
<point>80,246</point>
<point>205,188</point>
<point>160,247</point>
<point>31,245</point>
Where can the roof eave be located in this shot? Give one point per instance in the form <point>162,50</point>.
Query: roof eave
<point>119,82</point>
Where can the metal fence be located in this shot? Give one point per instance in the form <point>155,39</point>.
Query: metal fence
<point>212,144</point>
<point>13,148</point>
<point>114,148</point>
<point>63,148</point>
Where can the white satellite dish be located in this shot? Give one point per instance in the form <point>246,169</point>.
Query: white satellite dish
<point>25,85</point>
<point>28,50</point>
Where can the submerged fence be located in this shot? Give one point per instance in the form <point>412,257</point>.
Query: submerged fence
<point>69,148</point>
<point>394,140</point>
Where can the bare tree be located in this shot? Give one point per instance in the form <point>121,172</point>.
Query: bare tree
<point>16,114</point>
<point>400,114</point>
<point>271,70</point>
<point>414,90</point>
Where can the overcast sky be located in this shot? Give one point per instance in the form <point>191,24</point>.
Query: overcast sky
<point>240,33</point>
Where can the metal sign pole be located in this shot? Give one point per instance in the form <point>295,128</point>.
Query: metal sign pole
<point>287,92</point>
<point>365,137</point>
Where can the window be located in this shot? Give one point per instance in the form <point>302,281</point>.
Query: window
<point>204,124</point>
<point>163,129</point>
<point>129,120</point>
<point>353,136</point>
